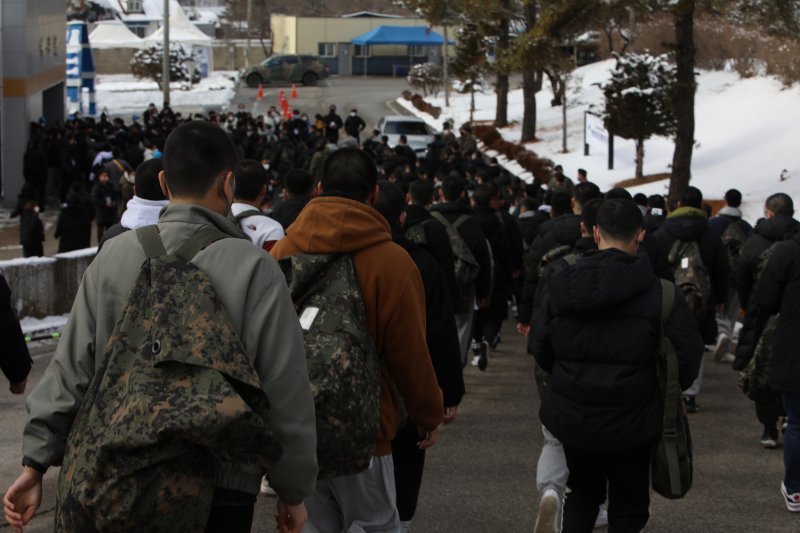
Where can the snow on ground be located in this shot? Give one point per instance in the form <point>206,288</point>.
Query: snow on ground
<point>747,133</point>
<point>44,325</point>
<point>123,93</point>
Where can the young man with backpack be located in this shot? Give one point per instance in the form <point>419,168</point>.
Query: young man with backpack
<point>297,192</point>
<point>442,339</point>
<point>700,268</point>
<point>733,231</point>
<point>223,362</point>
<point>777,225</point>
<point>361,304</point>
<point>595,332</point>
<point>251,189</point>
<point>778,292</point>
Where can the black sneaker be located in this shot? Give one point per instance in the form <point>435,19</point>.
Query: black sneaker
<point>495,342</point>
<point>769,439</point>
<point>483,360</point>
<point>691,404</point>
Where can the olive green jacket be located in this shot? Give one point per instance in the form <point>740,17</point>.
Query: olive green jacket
<point>254,294</point>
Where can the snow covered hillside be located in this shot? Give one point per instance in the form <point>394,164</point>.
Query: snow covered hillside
<point>747,134</point>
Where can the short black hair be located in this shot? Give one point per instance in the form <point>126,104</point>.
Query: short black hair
<point>780,204</point>
<point>656,200</point>
<point>195,154</point>
<point>640,198</point>
<point>619,219</point>
<point>390,202</point>
<point>421,192</point>
<point>618,193</point>
<point>560,203</point>
<point>482,196</point>
<point>589,213</point>
<point>529,204</point>
<point>146,180</point>
<point>351,172</point>
<point>733,198</point>
<point>586,191</point>
<point>452,188</point>
<point>250,179</point>
<point>691,197</point>
<point>298,182</point>
<point>582,172</point>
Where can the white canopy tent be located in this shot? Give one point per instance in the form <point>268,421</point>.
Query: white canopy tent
<point>183,31</point>
<point>109,34</point>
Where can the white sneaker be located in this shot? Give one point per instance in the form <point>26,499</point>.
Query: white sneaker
<point>265,488</point>
<point>602,519</point>
<point>547,518</point>
<point>722,348</point>
<point>405,526</point>
<point>476,360</point>
<point>792,500</point>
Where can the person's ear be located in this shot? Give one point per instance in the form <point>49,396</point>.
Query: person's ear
<point>228,186</point>
<point>373,195</point>
<point>163,184</point>
<point>403,218</point>
<point>408,199</point>
<point>642,233</point>
<point>319,188</point>
<point>597,235</point>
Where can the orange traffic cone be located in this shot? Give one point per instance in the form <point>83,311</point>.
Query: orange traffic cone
<point>260,92</point>
<point>281,97</point>
<point>294,91</point>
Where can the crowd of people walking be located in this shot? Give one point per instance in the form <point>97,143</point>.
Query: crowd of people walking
<point>326,292</point>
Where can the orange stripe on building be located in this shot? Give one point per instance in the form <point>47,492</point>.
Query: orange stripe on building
<point>22,87</point>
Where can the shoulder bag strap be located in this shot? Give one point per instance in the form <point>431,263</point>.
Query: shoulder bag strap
<point>671,389</point>
<point>151,241</point>
<point>199,241</point>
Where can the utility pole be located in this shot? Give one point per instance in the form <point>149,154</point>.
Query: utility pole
<point>445,69</point>
<point>632,24</point>
<point>165,61</point>
<point>249,27</point>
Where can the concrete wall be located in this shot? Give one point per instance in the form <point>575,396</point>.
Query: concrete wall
<point>46,286</point>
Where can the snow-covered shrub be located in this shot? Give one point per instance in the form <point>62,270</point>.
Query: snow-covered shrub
<point>427,77</point>
<point>147,64</point>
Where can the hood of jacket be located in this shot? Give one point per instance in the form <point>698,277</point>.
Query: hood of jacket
<point>332,224</point>
<point>140,212</point>
<point>593,282</point>
<point>416,214</point>
<point>452,207</point>
<point>776,228</point>
<point>687,223</point>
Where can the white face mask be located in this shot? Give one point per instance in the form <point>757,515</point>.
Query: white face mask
<point>266,166</point>
<point>352,114</point>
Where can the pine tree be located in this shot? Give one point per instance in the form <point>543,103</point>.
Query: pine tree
<point>638,100</point>
<point>147,64</point>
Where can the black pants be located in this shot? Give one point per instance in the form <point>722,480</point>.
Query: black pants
<point>768,413</point>
<point>231,512</point>
<point>626,473</point>
<point>485,326</point>
<point>409,462</point>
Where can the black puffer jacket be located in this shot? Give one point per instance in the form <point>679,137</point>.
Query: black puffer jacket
<point>440,327</point>
<point>689,224</point>
<point>595,331</point>
<point>472,234</point>
<point>778,291</point>
<point>565,229</point>
<point>501,255</point>
<point>15,361</point>
<point>767,232</point>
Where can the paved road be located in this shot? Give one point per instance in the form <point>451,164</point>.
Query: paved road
<point>480,476</point>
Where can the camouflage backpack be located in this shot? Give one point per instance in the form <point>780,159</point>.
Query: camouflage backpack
<point>416,233</point>
<point>175,398</point>
<point>554,254</point>
<point>343,366</point>
<point>671,468</point>
<point>754,379</point>
<point>733,240</point>
<point>691,275</point>
<point>466,266</point>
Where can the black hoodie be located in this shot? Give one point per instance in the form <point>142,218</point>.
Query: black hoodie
<point>595,330</point>
<point>437,242</point>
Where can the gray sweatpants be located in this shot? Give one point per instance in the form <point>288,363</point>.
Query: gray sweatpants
<point>551,471</point>
<point>360,503</point>
<point>726,321</point>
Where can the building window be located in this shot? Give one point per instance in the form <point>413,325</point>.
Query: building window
<point>139,31</point>
<point>417,51</point>
<point>327,49</point>
<point>361,51</point>
<point>134,6</point>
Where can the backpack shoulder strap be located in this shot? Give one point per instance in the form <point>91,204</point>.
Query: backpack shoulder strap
<point>460,220</point>
<point>199,241</point>
<point>571,259</point>
<point>440,217</point>
<point>671,389</point>
<point>151,241</point>
<point>667,300</point>
<point>249,213</point>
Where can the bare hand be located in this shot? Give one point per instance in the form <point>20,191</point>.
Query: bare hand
<point>524,329</point>
<point>19,388</point>
<point>291,518</point>
<point>450,414</point>
<point>483,303</point>
<point>23,499</point>
<point>429,439</point>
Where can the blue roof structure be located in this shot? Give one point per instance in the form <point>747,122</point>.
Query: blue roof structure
<point>403,35</point>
